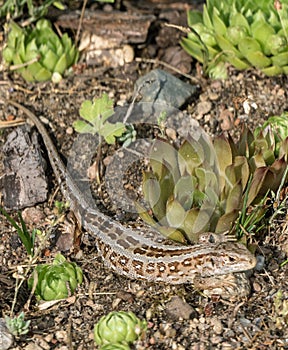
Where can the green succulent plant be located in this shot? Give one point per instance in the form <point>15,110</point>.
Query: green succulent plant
<point>56,281</point>
<point>201,185</point>
<point>40,53</point>
<point>17,325</point>
<point>239,32</point>
<point>119,328</point>
<point>279,126</point>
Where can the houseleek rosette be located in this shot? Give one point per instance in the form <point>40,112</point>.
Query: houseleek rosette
<point>200,186</point>
<point>40,53</point>
<point>119,328</point>
<point>239,32</point>
<point>56,281</point>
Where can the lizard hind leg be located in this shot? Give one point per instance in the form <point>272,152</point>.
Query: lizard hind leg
<point>230,286</point>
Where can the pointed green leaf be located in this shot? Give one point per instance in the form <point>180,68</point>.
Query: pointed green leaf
<point>206,18</point>
<point>144,215</point>
<point>194,17</point>
<point>242,171</point>
<point>235,33</point>
<point>218,24</point>
<point>224,157</point>
<point>234,198</point>
<point>248,45</point>
<point>50,60</point>
<point>175,213</point>
<point>237,19</point>
<point>196,222</point>
<point>183,191</point>
<point>193,48</point>
<point>226,221</point>
<point>172,233</point>
<point>42,74</point>
<point>280,60</point>
<point>258,59</point>
<point>61,64</point>
<point>190,156</point>
<point>261,32</point>
<point>245,144</point>
<point>274,70</point>
<point>236,62</point>
<point>227,47</point>
<point>162,151</point>
<point>151,191</point>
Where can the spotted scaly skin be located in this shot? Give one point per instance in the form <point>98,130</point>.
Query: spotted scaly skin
<point>146,254</point>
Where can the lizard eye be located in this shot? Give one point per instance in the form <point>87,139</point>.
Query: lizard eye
<point>211,238</point>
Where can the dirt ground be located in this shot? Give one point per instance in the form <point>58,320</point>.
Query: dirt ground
<point>195,322</point>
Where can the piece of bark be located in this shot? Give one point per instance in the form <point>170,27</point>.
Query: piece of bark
<point>24,182</point>
<point>116,27</point>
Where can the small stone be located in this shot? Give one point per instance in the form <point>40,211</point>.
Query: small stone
<point>69,130</point>
<point>44,344</point>
<point>61,336</point>
<point>161,87</point>
<point>203,108</point>
<point>257,287</point>
<point>216,340</point>
<point>33,215</point>
<point>202,320</point>
<point>171,133</point>
<point>213,96</point>
<point>177,308</point>
<point>32,346</point>
<point>217,326</point>
<point>227,346</point>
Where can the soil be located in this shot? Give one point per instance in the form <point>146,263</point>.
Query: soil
<point>178,316</point>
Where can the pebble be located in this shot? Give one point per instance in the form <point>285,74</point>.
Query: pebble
<point>217,325</point>
<point>203,108</point>
<point>178,308</point>
<point>69,130</point>
<point>61,336</point>
<point>257,287</point>
<point>216,340</point>
<point>33,215</point>
<point>32,346</point>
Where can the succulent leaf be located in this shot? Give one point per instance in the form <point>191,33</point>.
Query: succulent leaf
<point>190,156</point>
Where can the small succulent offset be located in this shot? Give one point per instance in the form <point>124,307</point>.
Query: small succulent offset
<point>95,114</point>
<point>239,32</point>
<point>128,136</point>
<point>39,54</point>
<point>118,328</point>
<point>56,281</point>
<point>201,186</point>
<point>278,125</point>
<point>17,325</point>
